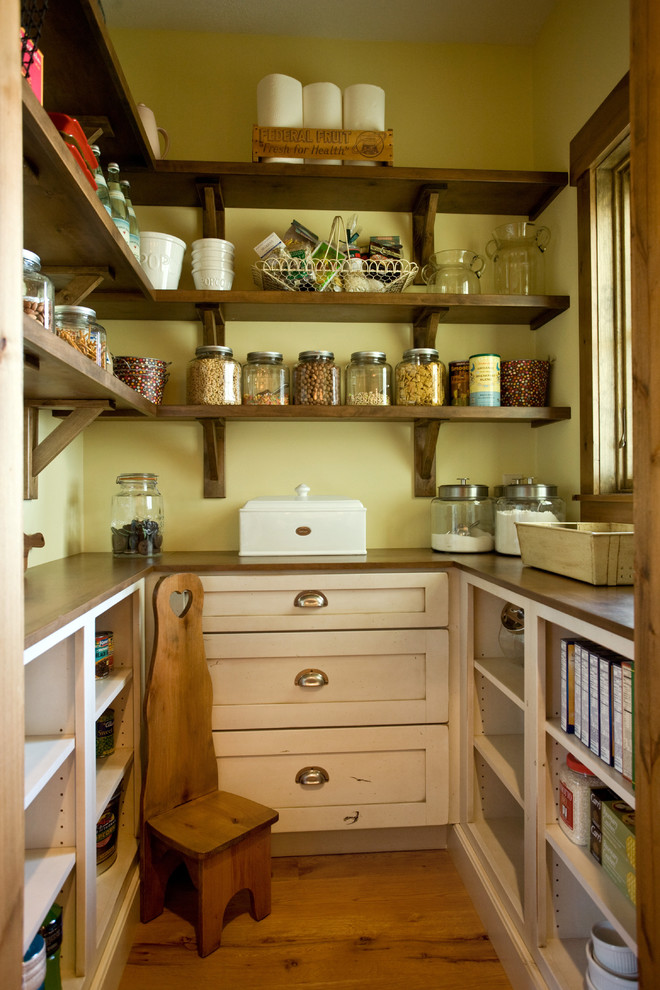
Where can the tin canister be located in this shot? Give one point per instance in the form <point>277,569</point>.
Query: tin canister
<point>105,734</point>
<point>459,382</point>
<point>107,829</point>
<point>484,379</point>
<point>105,639</point>
<point>101,665</point>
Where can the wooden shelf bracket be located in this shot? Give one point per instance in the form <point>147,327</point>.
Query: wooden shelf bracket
<point>37,455</point>
<point>214,457</point>
<point>425,439</point>
<point>213,324</point>
<point>423,220</point>
<point>213,208</point>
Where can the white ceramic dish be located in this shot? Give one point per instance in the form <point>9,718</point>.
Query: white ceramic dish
<point>611,951</point>
<point>211,253</point>
<point>213,280</point>
<point>213,242</point>
<point>603,979</point>
<point>212,269</point>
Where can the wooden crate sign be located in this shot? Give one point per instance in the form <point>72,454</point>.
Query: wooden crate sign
<point>310,142</point>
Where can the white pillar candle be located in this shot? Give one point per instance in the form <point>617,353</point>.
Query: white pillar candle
<point>364,110</point>
<point>280,104</point>
<point>322,107</point>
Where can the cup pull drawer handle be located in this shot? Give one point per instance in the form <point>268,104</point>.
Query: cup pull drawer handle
<point>310,599</point>
<point>311,678</point>
<point>312,776</point>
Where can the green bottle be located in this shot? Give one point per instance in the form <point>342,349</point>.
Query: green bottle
<point>99,178</point>
<point>119,212</point>
<point>51,932</point>
<point>134,230</point>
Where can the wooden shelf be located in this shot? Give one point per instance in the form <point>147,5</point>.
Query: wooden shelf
<point>536,416</point>
<point>332,307</point>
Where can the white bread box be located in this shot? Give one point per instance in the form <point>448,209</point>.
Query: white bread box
<point>284,525</point>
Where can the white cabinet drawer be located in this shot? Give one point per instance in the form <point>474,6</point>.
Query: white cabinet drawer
<point>350,600</point>
<point>371,677</point>
<point>380,777</point>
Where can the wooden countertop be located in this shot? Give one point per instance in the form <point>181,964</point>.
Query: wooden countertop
<point>60,591</point>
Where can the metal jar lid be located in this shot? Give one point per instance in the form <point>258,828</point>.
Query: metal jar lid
<point>530,491</point>
<point>421,352</point>
<point>256,357</point>
<point>463,490</point>
<point>213,350</point>
<point>316,356</point>
<point>368,356</point>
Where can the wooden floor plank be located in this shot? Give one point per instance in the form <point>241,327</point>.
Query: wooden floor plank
<point>381,921</point>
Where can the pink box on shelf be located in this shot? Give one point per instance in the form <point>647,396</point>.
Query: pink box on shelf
<point>36,76</point>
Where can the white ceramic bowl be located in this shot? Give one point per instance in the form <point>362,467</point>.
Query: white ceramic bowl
<point>208,261</point>
<point>208,269</point>
<point>611,951</point>
<point>213,253</point>
<point>213,280</point>
<point>161,256</point>
<point>603,979</point>
<point>217,242</point>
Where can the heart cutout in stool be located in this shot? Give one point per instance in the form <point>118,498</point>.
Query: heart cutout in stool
<point>180,602</point>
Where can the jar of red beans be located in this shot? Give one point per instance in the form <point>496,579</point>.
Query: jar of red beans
<point>316,379</point>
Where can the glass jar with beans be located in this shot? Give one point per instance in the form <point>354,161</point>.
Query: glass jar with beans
<point>214,377</point>
<point>421,378</point>
<point>38,291</point>
<point>316,379</point>
<point>368,379</point>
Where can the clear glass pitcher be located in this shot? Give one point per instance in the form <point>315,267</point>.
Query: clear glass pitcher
<point>516,251</point>
<point>455,271</point>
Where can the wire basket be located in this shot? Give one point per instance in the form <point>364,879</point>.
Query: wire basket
<point>395,275</point>
<point>296,274</point>
<point>33,13</point>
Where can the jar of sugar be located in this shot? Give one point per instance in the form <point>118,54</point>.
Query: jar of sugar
<point>462,519</point>
<point>524,501</point>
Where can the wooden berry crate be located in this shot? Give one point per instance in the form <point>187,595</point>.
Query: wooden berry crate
<point>598,553</point>
<point>322,143</point>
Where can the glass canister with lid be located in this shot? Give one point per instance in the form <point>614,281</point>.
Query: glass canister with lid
<point>576,782</point>
<point>38,291</point>
<point>76,325</point>
<point>214,377</point>
<point>368,379</point>
<point>524,501</point>
<point>265,379</point>
<point>421,378</point>
<point>462,519</point>
<point>316,379</point>
<point>137,516</point>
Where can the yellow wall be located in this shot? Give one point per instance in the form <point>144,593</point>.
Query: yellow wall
<point>449,106</point>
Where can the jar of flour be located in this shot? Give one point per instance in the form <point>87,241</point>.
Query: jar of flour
<point>524,501</point>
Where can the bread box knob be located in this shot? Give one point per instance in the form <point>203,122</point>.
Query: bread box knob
<point>302,491</point>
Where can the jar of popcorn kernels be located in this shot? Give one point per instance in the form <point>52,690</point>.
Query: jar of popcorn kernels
<point>368,379</point>
<point>214,377</point>
<point>421,378</point>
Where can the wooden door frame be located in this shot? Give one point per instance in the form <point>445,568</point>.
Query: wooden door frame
<point>645,159</point>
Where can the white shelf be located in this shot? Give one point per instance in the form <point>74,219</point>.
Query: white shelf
<point>109,885</point>
<point>505,755</point>
<point>45,871</point>
<point>110,771</point>
<point>563,963</point>
<point>107,688</point>
<point>507,675</point>
<point>43,757</point>
<point>607,774</point>
<point>500,842</point>
<point>592,878</point>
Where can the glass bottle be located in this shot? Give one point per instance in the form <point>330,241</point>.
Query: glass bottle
<point>118,206</point>
<point>462,519</point>
<point>75,324</point>
<point>101,184</point>
<point>368,379</point>
<point>137,516</point>
<point>421,378</point>
<point>51,932</point>
<point>38,291</point>
<point>265,379</point>
<point>214,377</point>
<point>134,229</point>
<point>316,379</point>
<point>524,502</point>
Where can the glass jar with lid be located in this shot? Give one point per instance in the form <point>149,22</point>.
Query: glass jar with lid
<point>524,501</point>
<point>462,519</point>
<point>368,379</point>
<point>137,516</point>
<point>316,379</point>
<point>99,339</point>
<point>214,377</point>
<point>421,378</point>
<point>265,379</point>
<point>38,291</point>
<point>75,325</point>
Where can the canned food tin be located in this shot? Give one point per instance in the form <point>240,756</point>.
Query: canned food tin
<point>101,665</point>
<point>107,828</point>
<point>105,734</point>
<point>105,640</point>
<point>484,379</point>
<point>459,382</point>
